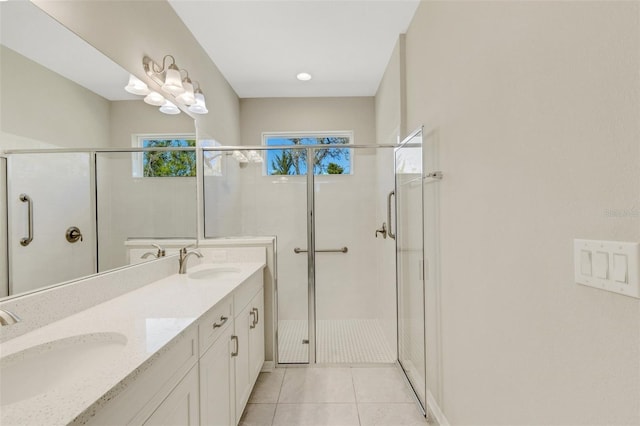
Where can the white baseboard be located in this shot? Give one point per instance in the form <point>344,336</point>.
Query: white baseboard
<point>435,410</point>
<point>268,366</point>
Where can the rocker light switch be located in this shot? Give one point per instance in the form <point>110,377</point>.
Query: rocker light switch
<point>608,265</point>
<point>585,262</point>
<point>620,272</point>
<point>601,265</point>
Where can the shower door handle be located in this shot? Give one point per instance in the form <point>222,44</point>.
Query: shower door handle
<point>26,199</point>
<point>389,231</point>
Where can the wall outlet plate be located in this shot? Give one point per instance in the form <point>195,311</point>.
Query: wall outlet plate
<point>608,265</point>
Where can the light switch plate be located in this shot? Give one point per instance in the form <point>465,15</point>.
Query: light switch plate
<point>603,260</point>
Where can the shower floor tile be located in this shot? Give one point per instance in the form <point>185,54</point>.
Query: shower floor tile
<point>338,342</point>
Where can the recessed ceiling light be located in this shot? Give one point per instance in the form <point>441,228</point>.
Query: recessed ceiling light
<point>304,76</point>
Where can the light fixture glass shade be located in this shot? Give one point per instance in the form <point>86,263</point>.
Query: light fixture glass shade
<point>254,157</point>
<point>199,107</point>
<point>154,98</point>
<point>187,97</point>
<point>172,81</point>
<point>169,108</point>
<point>136,86</point>
<point>240,157</point>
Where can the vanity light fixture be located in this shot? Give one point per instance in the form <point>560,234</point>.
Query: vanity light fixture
<point>304,76</point>
<point>199,107</point>
<point>169,108</point>
<point>254,157</point>
<point>187,97</point>
<point>136,86</point>
<point>169,77</point>
<point>245,157</point>
<point>240,157</point>
<point>155,99</point>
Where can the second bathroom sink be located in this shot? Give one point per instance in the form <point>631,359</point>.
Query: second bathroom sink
<point>214,272</point>
<point>38,369</point>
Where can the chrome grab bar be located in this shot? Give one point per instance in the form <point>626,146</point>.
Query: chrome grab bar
<point>26,199</point>
<point>389,231</point>
<point>340,250</point>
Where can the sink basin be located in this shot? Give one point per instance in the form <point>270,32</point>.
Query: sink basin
<point>214,272</point>
<point>38,369</point>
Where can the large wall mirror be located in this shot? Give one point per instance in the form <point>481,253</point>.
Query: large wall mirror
<point>73,194</point>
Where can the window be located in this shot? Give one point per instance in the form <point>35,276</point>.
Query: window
<point>327,161</point>
<point>164,163</point>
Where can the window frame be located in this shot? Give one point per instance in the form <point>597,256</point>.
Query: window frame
<point>137,159</point>
<point>309,134</point>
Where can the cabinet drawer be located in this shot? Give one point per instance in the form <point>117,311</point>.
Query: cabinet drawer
<point>246,291</point>
<point>214,322</point>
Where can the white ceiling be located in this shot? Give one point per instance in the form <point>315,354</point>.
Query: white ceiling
<point>29,31</point>
<point>260,46</point>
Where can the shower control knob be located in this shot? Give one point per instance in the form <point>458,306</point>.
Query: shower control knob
<point>73,234</point>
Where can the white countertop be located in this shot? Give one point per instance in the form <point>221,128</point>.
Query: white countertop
<point>149,317</point>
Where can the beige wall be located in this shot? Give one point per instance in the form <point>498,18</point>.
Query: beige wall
<point>136,117</point>
<point>153,29</point>
<point>390,99</point>
<point>39,108</point>
<point>259,115</point>
<point>536,109</point>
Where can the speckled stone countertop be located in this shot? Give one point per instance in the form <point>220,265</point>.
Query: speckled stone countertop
<point>140,324</point>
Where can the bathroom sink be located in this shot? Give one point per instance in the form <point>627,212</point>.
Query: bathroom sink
<point>214,272</point>
<point>38,369</point>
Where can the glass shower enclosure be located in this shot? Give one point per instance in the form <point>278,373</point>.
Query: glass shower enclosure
<point>331,308</point>
<point>410,263</point>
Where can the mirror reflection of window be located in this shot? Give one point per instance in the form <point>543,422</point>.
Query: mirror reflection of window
<point>173,163</point>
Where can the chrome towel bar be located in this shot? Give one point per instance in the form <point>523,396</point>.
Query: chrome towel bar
<point>340,250</point>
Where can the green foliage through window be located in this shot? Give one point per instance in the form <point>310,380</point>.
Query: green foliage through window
<point>169,163</point>
<point>327,161</point>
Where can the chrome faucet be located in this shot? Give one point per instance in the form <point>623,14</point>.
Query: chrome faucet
<point>184,256</point>
<point>160,253</point>
<point>8,318</point>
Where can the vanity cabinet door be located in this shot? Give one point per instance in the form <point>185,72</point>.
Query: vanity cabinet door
<point>180,407</point>
<point>256,336</point>
<point>217,383</point>
<point>241,360</point>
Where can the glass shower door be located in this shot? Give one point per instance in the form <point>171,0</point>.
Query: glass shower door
<point>48,194</point>
<point>350,309</point>
<point>410,262</point>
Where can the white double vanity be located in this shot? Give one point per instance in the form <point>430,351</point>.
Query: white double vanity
<point>140,345</point>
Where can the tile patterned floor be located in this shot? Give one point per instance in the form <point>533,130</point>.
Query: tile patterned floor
<point>339,396</point>
<point>338,341</point>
